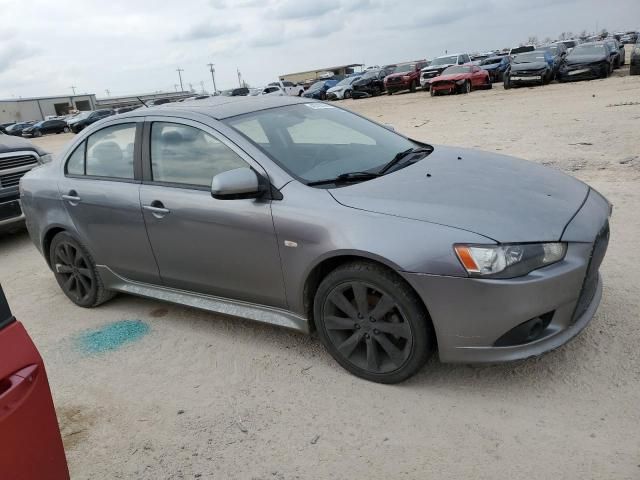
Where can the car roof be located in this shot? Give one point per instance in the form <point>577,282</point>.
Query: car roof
<point>221,107</point>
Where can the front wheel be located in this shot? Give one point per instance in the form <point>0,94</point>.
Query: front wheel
<point>65,129</point>
<point>412,87</point>
<point>432,92</point>
<point>466,87</point>
<point>37,133</point>
<point>347,94</point>
<point>507,82</point>
<point>372,323</point>
<point>76,273</point>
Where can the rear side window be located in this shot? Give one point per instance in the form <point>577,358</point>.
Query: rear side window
<point>109,152</point>
<point>75,164</point>
<point>187,155</point>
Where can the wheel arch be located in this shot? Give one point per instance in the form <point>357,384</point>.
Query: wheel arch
<point>47,238</point>
<point>327,264</point>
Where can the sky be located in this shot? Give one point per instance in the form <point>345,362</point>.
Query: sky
<point>135,46</point>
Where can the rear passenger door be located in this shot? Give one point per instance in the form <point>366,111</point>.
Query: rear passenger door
<point>226,248</point>
<point>101,192</point>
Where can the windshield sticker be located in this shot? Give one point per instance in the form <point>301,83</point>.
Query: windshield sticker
<point>317,106</point>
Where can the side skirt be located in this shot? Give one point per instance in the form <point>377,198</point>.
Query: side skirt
<point>210,303</point>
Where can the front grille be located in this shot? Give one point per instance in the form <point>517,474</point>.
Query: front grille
<point>432,74</point>
<point>11,179</point>
<point>591,279</point>
<point>17,161</point>
<point>394,80</point>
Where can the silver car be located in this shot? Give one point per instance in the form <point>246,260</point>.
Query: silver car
<point>307,216</point>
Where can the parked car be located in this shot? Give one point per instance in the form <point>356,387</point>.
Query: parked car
<point>529,68</point>
<point>319,89</point>
<point>121,110</point>
<point>557,53</point>
<point>439,64</point>
<point>570,44</point>
<point>635,60</point>
<point>17,128</point>
<point>370,84</point>
<point>630,38</point>
<point>84,119</point>
<point>618,51</point>
<point>17,157</point>
<point>272,90</point>
<point>460,79</point>
<point>343,89</point>
<point>45,127</point>
<point>236,92</point>
<point>324,220</point>
<point>30,441</point>
<point>406,76</point>
<point>521,49</point>
<point>3,126</point>
<point>496,66</point>
<point>587,61</point>
<point>289,88</point>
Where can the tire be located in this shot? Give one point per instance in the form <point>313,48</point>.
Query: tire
<point>37,133</point>
<point>489,84</point>
<point>432,92</point>
<point>506,83</point>
<point>323,96</point>
<point>466,87</point>
<point>65,129</point>
<point>347,94</point>
<point>389,92</point>
<point>76,272</point>
<point>412,86</point>
<point>384,335</point>
<point>300,93</point>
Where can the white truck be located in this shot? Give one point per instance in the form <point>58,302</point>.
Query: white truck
<point>289,88</point>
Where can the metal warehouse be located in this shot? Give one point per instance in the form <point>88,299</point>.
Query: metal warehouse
<point>302,77</point>
<point>38,108</point>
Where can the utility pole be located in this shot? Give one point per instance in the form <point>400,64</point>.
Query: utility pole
<point>107,92</point>
<point>213,76</point>
<point>179,70</point>
<point>239,77</point>
<point>73,89</point>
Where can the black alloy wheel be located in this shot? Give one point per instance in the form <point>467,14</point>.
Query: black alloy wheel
<point>75,272</point>
<point>372,323</point>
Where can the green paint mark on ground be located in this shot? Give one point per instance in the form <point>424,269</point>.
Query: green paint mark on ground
<point>112,336</point>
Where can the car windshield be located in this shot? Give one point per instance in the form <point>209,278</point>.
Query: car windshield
<point>457,69</point>
<point>371,74</point>
<point>587,50</point>
<point>82,115</point>
<point>409,67</point>
<point>445,60</point>
<point>316,86</point>
<point>315,141</point>
<point>491,61</point>
<point>531,57</point>
<point>347,81</point>
<point>255,91</point>
<point>569,44</point>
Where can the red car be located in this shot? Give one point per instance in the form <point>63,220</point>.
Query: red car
<point>460,79</point>
<point>30,443</point>
<point>406,76</point>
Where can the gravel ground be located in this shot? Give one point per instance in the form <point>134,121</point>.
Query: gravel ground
<point>201,396</point>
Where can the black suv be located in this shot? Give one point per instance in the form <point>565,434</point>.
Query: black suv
<point>84,119</point>
<point>17,157</point>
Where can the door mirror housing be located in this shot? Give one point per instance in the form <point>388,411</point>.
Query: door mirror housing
<point>237,184</point>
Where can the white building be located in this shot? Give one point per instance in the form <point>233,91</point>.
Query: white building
<point>38,108</point>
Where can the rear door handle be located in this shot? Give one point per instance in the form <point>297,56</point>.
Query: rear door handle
<point>72,197</point>
<point>157,209</point>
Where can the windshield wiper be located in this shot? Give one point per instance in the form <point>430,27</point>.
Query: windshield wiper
<point>400,156</point>
<point>346,178</point>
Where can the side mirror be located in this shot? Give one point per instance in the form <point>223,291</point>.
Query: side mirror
<point>237,184</point>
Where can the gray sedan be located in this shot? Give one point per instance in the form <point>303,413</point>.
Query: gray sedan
<point>307,216</point>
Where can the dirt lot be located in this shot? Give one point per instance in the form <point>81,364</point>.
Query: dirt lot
<point>205,397</point>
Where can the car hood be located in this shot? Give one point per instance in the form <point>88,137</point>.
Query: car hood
<point>398,75</point>
<point>436,68</point>
<point>453,77</point>
<point>363,81</point>
<point>503,198</point>
<point>518,67</point>
<point>338,89</point>
<point>584,59</point>
<point>491,66</point>
<point>15,144</point>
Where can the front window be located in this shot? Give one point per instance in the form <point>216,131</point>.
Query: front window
<point>445,60</point>
<point>316,141</point>
<point>491,61</point>
<point>110,152</point>
<point>371,74</point>
<point>405,68</point>
<point>347,81</point>
<point>189,156</point>
<point>316,86</point>
<point>532,57</point>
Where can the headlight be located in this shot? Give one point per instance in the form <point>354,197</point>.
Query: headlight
<point>508,261</point>
<point>46,158</point>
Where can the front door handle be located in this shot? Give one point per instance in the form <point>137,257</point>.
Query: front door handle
<point>15,388</point>
<point>72,197</point>
<point>157,209</point>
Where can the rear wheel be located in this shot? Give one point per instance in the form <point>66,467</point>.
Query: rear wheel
<point>76,273</point>
<point>507,82</point>
<point>432,92</point>
<point>412,87</point>
<point>347,94</point>
<point>65,129</point>
<point>372,323</point>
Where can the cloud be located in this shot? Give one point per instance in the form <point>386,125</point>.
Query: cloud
<point>13,52</point>
<point>205,30</point>
<point>297,9</point>
<point>222,4</point>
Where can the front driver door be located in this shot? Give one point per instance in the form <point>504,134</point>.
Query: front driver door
<point>226,248</point>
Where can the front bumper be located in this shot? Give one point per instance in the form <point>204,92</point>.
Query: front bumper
<point>482,320</point>
<point>587,72</point>
<point>441,87</point>
<point>10,213</point>
<point>397,86</point>
<point>516,78</point>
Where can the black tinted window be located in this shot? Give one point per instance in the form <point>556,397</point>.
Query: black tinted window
<point>75,164</point>
<point>110,152</point>
<point>188,155</point>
